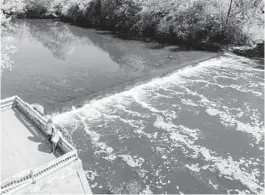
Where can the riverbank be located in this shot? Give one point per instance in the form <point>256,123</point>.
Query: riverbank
<point>195,24</point>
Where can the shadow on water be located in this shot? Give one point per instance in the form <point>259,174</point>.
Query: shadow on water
<point>150,43</point>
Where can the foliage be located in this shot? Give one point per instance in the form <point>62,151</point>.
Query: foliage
<point>6,53</point>
<point>191,22</point>
<point>6,50</point>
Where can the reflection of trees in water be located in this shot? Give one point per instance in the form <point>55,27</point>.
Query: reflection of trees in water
<point>58,36</point>
<point>129,57</point>
<point>53,35</point>
<point>132,56</point>
<point>61,39</point>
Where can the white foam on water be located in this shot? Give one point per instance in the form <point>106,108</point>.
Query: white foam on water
<point>141,132</point>
<point>229,120</point>
<point>94,185</point>
<point>110,157</point>
<point>242,89</point>
<point>136,92</point>
<point>238,191</point>
<point>104,148</point>
<point>226,119</point>
<point>178,132</point>
<point>256,132</point>
<point>179,135</point>
<point>232,170</point>
<point>214,185</point>
<point>132,113</point>
<point>146,190</point>
<point>240,114</point>
<point>132,161</point>
<point>193,167</point>
<point>95,137</point>
<point>188,102</point>
<point>91,175</point>
<point>228,168</point>
<point>142,173</point>
<point>170,114</point>
<point>161,124</point>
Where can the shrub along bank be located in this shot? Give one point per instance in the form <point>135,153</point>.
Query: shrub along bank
<point>201,24</point>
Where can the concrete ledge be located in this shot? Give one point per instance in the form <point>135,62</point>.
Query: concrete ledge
<point>70,179</point>
<point>83,179</point>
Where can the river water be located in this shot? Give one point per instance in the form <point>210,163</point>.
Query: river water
<point>199,129</point>
<point>57,65</point>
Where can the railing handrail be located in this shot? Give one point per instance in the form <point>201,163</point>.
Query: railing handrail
<point>53,162</point>
<point>15,182</point>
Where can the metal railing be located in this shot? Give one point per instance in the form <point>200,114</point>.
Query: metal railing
<point>31,176</point>
<point>15,181</point>
<point>24,178</point>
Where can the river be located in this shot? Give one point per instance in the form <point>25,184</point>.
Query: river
<point>199,129</point>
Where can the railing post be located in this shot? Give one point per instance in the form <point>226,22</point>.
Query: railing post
<point>33,177</point>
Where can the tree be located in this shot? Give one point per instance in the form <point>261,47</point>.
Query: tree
<point>229,11</point>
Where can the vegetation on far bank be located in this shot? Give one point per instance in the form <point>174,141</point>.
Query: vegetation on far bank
<point>211,24</point>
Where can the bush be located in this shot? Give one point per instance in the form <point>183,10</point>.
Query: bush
<point>36,9</point>
<point>119,16</point>
<point>191,22</point>
<point>147,24</point>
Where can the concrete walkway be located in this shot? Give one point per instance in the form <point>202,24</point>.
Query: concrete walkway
<point>22,144</point>
<point>66,180</point>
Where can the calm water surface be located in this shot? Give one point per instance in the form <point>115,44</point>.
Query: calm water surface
<point>197,130</point>
<point>56,64</point>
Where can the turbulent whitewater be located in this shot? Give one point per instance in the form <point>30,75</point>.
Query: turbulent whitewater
<point>198,130</point>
